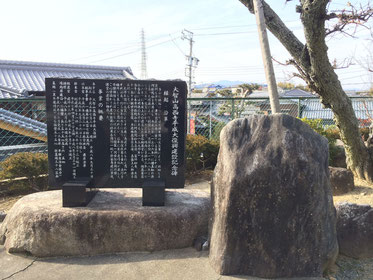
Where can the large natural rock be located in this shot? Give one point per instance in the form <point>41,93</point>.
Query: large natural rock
<point>114,221</point>
<point>341,180</point>
<point>355,230</point>
<point>273,213</point>
<point>339,157</point>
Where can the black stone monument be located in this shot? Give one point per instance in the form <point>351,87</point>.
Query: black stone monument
<point>115,134</point>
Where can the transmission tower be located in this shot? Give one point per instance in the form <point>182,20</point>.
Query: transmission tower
<point>144,74</point>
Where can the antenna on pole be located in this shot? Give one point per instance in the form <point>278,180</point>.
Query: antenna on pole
<point>144,74</point>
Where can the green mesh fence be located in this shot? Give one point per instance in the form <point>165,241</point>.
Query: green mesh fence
<point>209,115</point>
<point>23,128</point>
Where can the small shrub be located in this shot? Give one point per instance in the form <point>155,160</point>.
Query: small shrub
<point>201,153</point>
<point>316,125</point>
<point>333,132</point>
<point>29,165</point>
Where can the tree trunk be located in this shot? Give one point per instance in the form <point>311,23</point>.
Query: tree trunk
<point>313,62</point>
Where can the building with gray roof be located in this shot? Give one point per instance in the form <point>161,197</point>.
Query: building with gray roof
<point>19,79</point>
<point>293,93</point>
<point>297,93</point>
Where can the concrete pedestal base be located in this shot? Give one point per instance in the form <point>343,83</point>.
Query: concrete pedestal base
<point>114,221</point>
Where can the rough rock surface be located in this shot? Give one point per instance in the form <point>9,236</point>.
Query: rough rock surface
<point>273,213</point>
<point>2,216</point>
<point>355,230</point>
<point>114,221</point>
<point>341,180</point>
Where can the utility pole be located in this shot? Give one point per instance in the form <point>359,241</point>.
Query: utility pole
<point>266,55</point>
<point>144,74</point>
<point>192,62</point>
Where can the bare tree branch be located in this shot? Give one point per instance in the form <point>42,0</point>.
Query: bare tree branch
<point>351,16</point>
<point>303,75</point>
<point>366,62</point>
<point>281,63</point>
<point>346,63</point>
<point>312,62</point>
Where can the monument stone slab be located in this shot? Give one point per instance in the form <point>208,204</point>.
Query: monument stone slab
<point>117,133</point>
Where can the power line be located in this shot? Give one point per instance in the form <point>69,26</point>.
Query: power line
<point>350,72</point>
<point>235,67</point>
<point>123,54</point>
<point>172,73</point>
<point>225,33</point>
<point>234,26</point>
<point>177,46</point>
<point>129,45</point>
<point>360,76</point>
<point>102,53</point>
<point>355,84</point>
<point>166,35</point>
<point>224,27</point>
<point>232,33</point>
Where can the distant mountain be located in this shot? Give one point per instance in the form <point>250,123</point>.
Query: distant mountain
<point>223,83</point>
<point>226,83</point>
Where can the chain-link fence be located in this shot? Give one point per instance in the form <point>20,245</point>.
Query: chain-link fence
<point>23,121</point>
<point>207,116</point>
<point>22,126</point>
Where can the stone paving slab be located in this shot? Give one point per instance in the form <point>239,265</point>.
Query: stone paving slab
<point>180,264</point>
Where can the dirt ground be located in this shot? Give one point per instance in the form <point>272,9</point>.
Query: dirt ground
<point>344,269</point>
<point>362,194</point>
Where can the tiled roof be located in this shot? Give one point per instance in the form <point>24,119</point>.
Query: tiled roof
<point>30,76</point>
<point>296,93</point>
<point>9,92</point>
<point>23,123</point>
<point>6,151</point>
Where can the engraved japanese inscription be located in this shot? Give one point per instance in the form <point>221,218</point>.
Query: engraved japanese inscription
<point>117,132</point>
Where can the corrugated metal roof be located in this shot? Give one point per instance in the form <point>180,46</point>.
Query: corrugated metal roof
<point>30,76</point>
<point>294,93</point>
<point>259,94</point>
<point>363,108</point>
<point>23,122</point>
<point>313,109</point>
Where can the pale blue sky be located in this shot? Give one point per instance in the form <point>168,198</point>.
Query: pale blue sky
<point>108,33</point>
